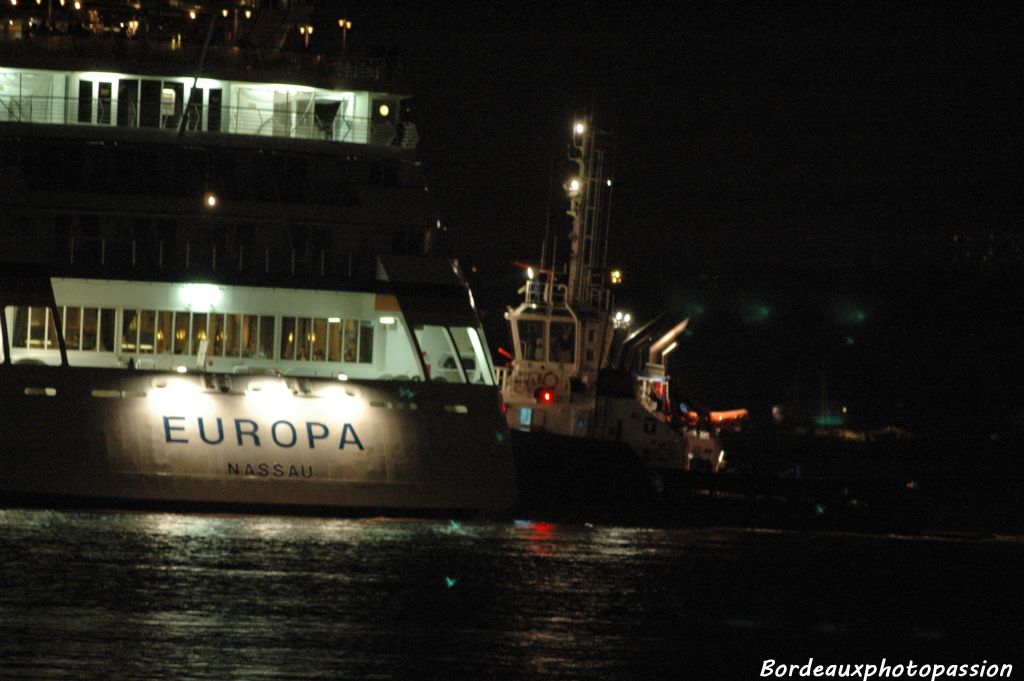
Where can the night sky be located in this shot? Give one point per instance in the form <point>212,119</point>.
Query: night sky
<point>830,192</point>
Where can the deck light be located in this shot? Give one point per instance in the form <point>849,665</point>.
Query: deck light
<point>224,13</point>
<point>342,377</point>
<point>210,200</point>
<point>181,368</point>
<point>387,321</point>
<point>616,277</point>
<point>384,110</point>
<point>344,25</point>
<point>191,14</point>
<point>530,273</point>
<point>248,14</point>
<point>580,128</point>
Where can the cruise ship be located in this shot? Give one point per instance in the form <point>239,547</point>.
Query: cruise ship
<point>223,282</point>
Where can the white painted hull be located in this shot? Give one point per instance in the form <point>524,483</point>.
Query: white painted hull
<point>151,437</point>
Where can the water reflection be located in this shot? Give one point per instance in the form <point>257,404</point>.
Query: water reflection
<point>152,595</point>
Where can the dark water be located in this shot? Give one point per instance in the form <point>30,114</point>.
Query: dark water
<point>152,596</point>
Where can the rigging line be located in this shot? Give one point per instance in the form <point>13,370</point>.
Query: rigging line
<point>547,216</point>
<point>199,69</point>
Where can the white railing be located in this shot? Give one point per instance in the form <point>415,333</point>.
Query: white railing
<point>248,120</point>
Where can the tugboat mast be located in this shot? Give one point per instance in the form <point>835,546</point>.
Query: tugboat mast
<point>589,206</point>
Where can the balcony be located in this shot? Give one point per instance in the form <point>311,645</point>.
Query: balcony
<point>322,121</point>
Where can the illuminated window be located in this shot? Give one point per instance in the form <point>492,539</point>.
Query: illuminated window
<point>563,342</point>
<point>365,342</point>
<point>303,338</point>
<point>106,331</point>
<point>266,347</point>
<point>216,347</point>
<point>73,328</point>
<point>129,330</point>
<point>147,331</point>
<point>257,336</point>
<point>333,341</point>
<point>531,339</point>
<point>350,341</point>
<point>288,338</point>
<point>440,354</point>
<point>199,333</point>
<point>32,332</point>
<point>164,332</point>
<point>319,340</point>
<point>232,337</point>
<point>181,333</point>
<point>90,328</point>
<point>472,355</point>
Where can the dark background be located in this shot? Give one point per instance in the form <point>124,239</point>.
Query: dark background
<point>829,192</point>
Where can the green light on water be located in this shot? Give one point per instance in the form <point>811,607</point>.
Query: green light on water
<point>757,314</point>
<point>450,582</point>
<point>820,509</point>
<point>456,525</point>
<point>829,420</point>
<point>851,314</point>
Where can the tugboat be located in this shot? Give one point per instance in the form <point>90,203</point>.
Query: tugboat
<point>578,373</point>
<point>217,281</point>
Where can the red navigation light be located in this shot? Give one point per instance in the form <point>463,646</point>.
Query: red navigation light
<point>545,395</point>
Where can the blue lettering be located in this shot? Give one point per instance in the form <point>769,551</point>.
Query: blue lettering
<point>168,428</point>
<point>239,432</point>
<point>220,432</point>
<point>324,432</point>
<point>273,434</point>
<point>355,438</point>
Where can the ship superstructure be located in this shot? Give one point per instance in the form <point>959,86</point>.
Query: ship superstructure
<point>222,276</point>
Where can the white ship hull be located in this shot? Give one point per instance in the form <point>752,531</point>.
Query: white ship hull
<point>149,437</point>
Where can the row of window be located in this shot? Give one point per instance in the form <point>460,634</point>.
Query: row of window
<point>145,332</point>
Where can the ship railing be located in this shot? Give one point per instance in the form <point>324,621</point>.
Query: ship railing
<point>210,258</point>
<point>169,52</point>
<point>320,120</point>
<point>501,375</point>
<point>542,292</point>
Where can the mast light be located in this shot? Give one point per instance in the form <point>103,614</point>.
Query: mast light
<point>530,273</point>
<point>580,127</point>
